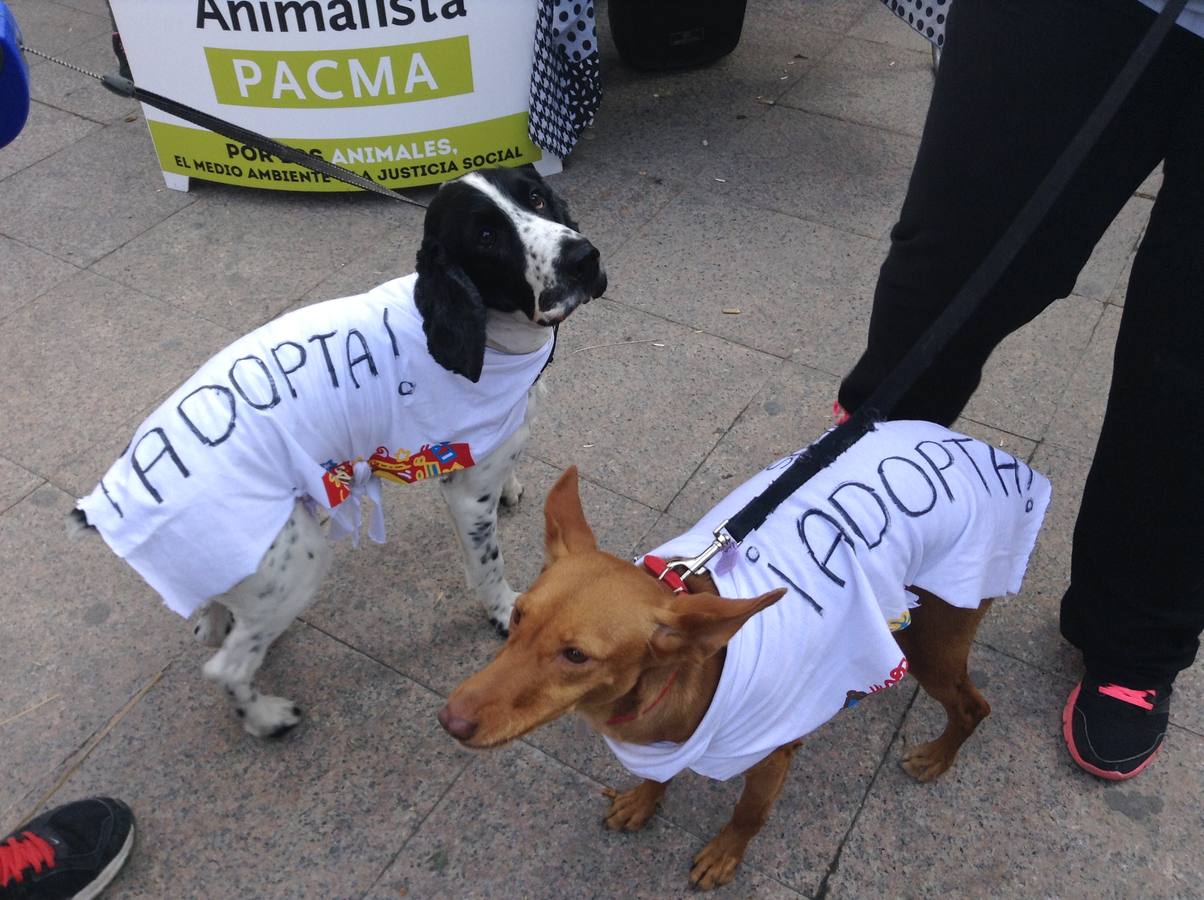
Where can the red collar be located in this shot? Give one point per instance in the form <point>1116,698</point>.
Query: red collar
<point>670,579</point>
<point>661,571</point>
<point>631,717</point>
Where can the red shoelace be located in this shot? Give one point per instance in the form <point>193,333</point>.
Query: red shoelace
<point>20,852</point>
<point>1144,699</point>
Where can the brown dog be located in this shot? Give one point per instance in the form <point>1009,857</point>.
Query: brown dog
<point>604,638</point>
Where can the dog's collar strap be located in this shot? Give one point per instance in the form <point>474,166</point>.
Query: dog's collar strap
<point>552,355</point>
<point>631,717</point>
<point>664,574</point>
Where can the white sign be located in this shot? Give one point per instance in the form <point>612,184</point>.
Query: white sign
<point>405,92</point>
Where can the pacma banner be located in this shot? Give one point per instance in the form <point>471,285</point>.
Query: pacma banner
<point>405,92</point>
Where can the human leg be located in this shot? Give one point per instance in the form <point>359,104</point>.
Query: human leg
<point>1016,82</point>
<point>1136,600</point>
<point>1135,605</point>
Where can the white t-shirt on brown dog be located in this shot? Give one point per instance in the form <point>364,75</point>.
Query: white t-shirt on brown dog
<point>911,503</point>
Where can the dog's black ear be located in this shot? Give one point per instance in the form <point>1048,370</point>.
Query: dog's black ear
<point>453,314</point>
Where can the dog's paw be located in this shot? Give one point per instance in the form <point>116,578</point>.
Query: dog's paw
<point>925,762</point>
<point>716,863</point>
<point>269,717</point>
<point>631,810</point>
<point>213,625</point>
<point>512,491</point>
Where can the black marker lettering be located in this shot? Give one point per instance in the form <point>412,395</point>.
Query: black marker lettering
<point>914,513</point>
<point>964,440</point>
<point>204,438</point>
<point>840,536</point>
<point>782,575</point>
<point>365,356</point>
<point>321,338</point>
<point>844,513</point>
<point>266,374</point>
<point>937,470</point>
<point>287,372</point>
<point>1001,468</point>
<point>392,336</point>
<point>143,470</point>
<point>112,502</point>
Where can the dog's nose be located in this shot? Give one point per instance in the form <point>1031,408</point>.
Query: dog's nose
<point>460,729</point>
<point>581,262</point>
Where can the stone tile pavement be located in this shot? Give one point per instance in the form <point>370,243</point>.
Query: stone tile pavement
<point>766,182</point>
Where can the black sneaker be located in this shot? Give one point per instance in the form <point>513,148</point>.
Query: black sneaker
<point>1113,731</point>
<point>73,851</point>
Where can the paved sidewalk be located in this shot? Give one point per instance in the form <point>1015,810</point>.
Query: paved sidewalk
<point>767,182</point>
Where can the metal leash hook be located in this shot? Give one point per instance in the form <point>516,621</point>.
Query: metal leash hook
<point>695,564</point>
<point>119,85</point>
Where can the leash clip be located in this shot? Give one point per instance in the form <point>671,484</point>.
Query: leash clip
<point>695,564</point>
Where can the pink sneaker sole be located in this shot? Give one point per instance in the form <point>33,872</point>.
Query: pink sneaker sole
<point>1068,736</point>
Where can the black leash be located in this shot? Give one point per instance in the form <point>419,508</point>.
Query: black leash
<point>124,87</point>
<point>888,394</point>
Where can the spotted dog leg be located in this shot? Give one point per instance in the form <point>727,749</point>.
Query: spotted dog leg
<point>472,497</point>
<point>264,605</point>
<point>512,491</point>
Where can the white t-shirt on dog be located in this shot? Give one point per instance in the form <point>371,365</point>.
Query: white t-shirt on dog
<point>911,503</point>
<point>313,404</point>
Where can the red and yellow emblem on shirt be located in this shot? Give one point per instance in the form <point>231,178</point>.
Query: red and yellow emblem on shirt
<point>431,461</point>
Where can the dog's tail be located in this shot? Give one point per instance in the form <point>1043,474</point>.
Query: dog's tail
<point>77,524</point>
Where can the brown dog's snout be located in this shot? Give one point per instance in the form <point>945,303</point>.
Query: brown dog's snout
<point>460,728</point>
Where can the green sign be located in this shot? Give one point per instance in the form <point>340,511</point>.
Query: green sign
<point>401,160</point>
<point>327,79</point>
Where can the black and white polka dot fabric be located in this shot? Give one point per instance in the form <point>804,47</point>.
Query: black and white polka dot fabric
<point>925,16</point>
<point>565,81</point>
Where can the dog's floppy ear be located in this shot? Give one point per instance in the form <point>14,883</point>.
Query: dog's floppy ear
<point>566,530</point>
<point>699,625</point>
<point>453,314</point>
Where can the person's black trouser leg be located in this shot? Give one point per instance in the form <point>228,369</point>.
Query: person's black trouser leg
<point>1016,81</point>
<point>1136,600</point>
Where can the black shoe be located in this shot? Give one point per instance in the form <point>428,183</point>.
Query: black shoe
<point>73,851</point>
<point>1112,731</point>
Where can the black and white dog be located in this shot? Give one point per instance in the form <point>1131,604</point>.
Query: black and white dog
<point>428,376</point>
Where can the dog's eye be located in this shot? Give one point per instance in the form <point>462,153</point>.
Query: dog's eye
<point>515,617</point>
<point>537,201</point>
<point>487,237</point>
<point>573,655</point>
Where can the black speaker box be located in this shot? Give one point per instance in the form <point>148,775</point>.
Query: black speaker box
<point>655,35</point>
